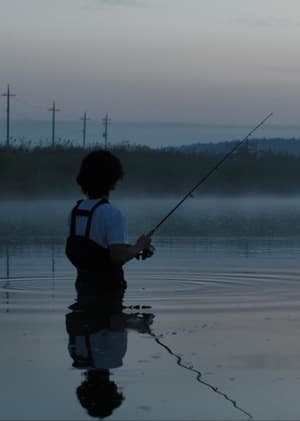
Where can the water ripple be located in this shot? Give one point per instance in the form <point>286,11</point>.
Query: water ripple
<point>215,290</point>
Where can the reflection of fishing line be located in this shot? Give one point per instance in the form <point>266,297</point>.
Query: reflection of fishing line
<point>199,374</point>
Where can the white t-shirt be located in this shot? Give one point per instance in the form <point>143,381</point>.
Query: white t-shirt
<point>108,224</point>
<point>107,348</point>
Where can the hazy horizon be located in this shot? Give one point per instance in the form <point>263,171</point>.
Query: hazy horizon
<point>152,134</point>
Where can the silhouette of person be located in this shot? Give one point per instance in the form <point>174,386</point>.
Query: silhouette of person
<point>98,343</point>
<point>98,241</point>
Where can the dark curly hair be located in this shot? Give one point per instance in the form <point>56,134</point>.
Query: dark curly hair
<point>99,172</point>
<point>98,394</point>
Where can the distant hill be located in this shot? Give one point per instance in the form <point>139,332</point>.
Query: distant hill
<point>261,145</point>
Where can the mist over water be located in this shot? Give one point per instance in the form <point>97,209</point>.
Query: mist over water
<point>203,217</point>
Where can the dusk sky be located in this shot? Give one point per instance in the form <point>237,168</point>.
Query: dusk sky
<point>206,61</point>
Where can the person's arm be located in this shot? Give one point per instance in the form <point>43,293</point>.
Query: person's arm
<point>122,253</point>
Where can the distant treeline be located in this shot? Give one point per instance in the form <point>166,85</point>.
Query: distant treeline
<point>44,172</point>
<point>274,145</point>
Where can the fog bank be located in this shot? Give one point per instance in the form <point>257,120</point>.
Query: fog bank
<point>204,217</point>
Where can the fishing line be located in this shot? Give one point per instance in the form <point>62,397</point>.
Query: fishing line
<point>209,173</point>
<point>199,374</point>
<point>180,363</point>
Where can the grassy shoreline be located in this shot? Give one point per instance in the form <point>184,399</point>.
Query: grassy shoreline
<point>47,172</point>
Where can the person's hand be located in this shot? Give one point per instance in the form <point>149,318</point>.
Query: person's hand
<point>143,242</point>
<point>144,246</point>
<point>148,252</point>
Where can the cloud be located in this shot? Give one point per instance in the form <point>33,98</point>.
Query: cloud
<point>285,70</point>
<point>268,22</point>
<point>100,4</point>
<point>116,2</point>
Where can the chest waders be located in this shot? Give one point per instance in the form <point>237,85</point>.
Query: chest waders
<point>96,273</point>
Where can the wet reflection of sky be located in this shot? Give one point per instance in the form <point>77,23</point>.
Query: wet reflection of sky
<point>223,343</point>
<point>226,308</point>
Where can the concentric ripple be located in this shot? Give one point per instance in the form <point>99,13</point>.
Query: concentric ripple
<point>215,289</point>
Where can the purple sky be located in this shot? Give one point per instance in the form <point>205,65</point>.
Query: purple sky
<point>206,61</point>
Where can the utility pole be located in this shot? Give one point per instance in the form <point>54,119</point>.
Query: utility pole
<point>106,121</point>
<point>8,95</point>
<point>84,118</point>
<point>53,110</point>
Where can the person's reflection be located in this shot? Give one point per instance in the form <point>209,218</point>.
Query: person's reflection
<point>98,343</point>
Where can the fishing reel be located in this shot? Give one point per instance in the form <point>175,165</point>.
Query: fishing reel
<point>146,254</point>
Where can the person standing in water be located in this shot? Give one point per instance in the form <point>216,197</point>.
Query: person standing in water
<point>98,240</point>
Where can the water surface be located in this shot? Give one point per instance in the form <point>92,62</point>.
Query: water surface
<point>224,309</point>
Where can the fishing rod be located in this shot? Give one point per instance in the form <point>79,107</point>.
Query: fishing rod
<point>206,176</point>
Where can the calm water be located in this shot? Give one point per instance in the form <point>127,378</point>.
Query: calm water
<point>215,335</point>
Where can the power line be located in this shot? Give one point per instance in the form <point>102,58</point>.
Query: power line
<point>8,95</point>
<point>54,110</point>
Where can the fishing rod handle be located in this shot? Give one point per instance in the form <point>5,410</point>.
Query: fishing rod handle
<point>146,253</point>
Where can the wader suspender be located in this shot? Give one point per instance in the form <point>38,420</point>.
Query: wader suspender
<point>95,270</point>
<point>79,361</point>
<point>86,213</point>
